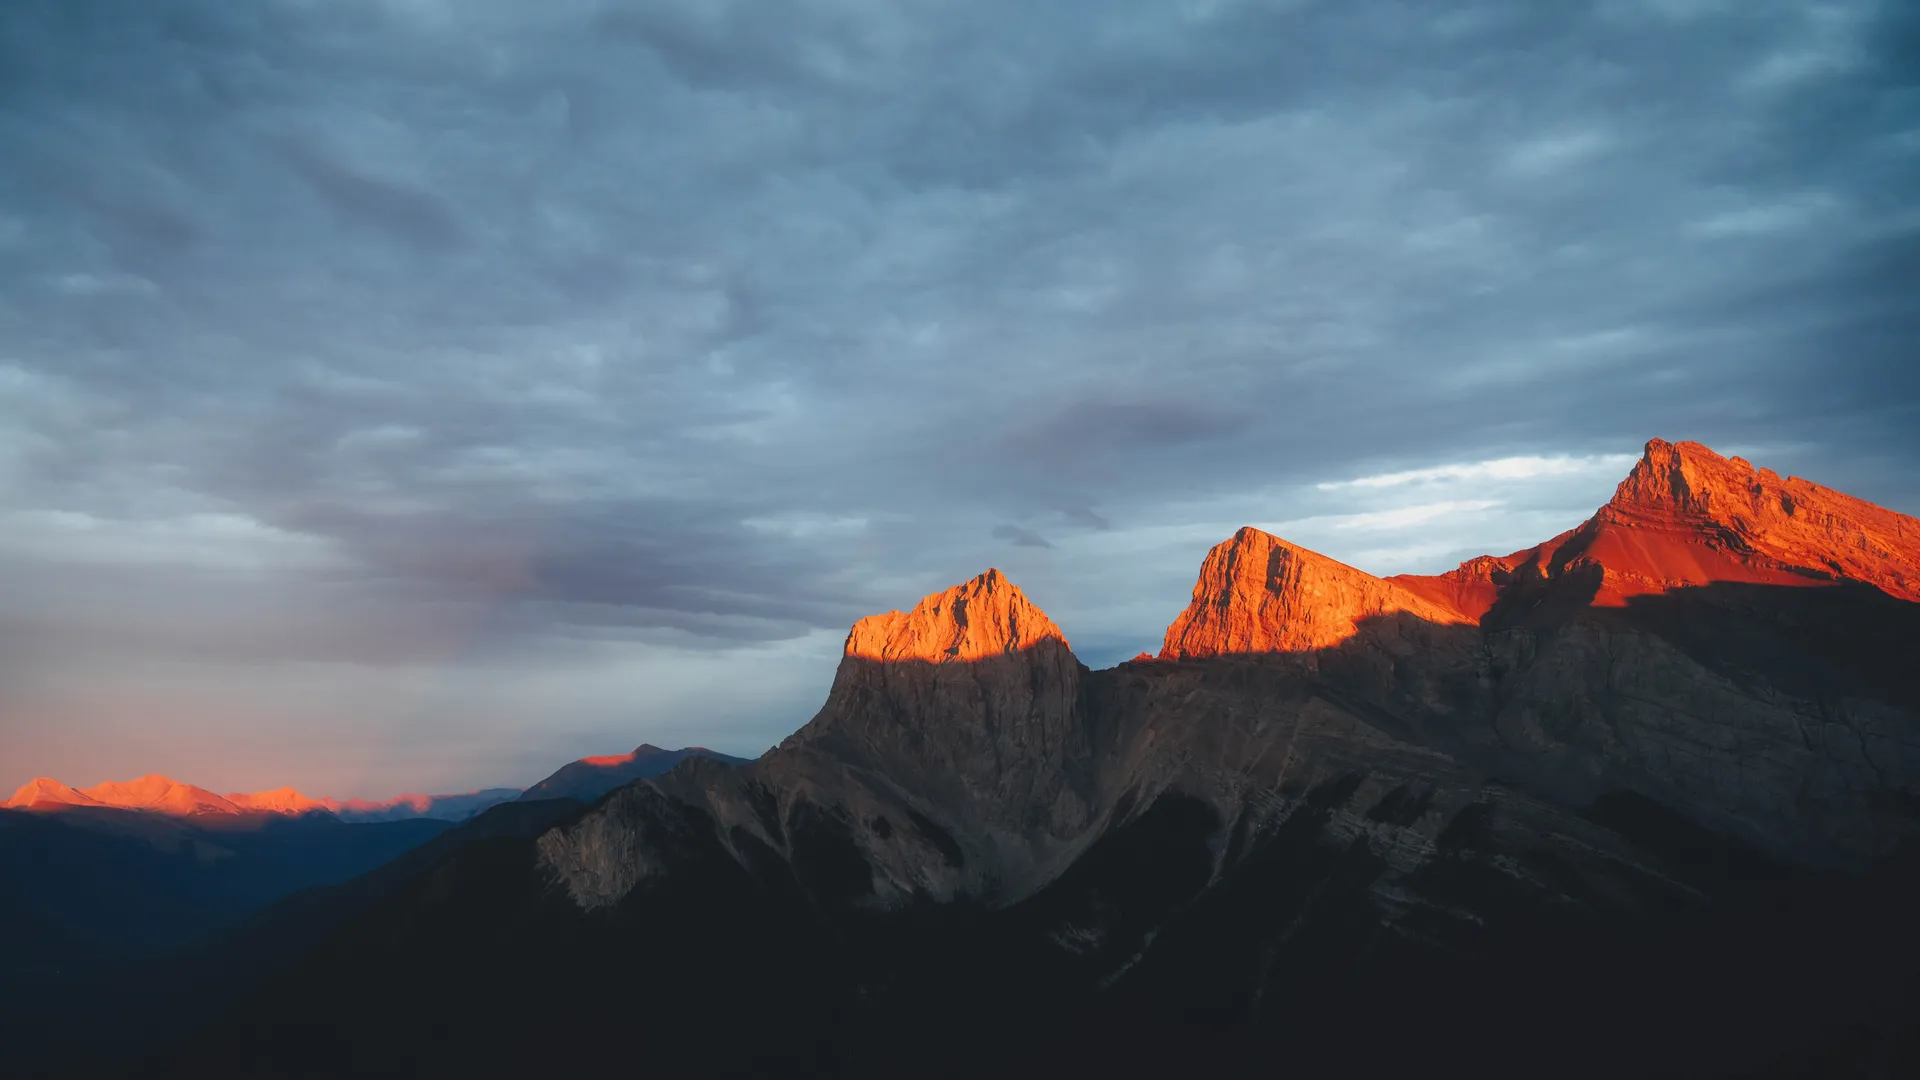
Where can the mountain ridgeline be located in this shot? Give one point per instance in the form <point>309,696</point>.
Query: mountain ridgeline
<point>1640,799</point>
<point>156,794</point>
<point>591,777</point>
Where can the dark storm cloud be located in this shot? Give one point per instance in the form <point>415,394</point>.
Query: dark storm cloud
<point>506,328</point>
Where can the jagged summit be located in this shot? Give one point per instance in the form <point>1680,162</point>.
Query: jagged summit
<point>1770,527</point>
<point>1685,478</point>
<point>986,616</point>
<point>1258,593</point>
<point>975,694</point>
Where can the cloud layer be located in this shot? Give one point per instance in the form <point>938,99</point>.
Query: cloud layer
<point>401,393</point>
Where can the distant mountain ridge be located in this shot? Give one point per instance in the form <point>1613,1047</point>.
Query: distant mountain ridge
<point>163,795</point>
<point>591,777</point>
<point>585,779</point>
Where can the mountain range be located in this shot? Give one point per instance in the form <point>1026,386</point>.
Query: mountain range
<point>586,778</point>
<point>163,795</point>
<point>1641,799</point>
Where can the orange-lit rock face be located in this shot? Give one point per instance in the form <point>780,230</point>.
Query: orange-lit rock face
<point>1475,586</point>
<point>1686,515</point>
<point>1257,593</point>
<point>987,616</point>
<point>974,694</point>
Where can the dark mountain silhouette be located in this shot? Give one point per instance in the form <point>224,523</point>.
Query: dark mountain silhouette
<point>1638,801</point>
<point>589,778</point>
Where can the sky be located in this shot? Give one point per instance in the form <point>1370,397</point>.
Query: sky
<point>414,395</point>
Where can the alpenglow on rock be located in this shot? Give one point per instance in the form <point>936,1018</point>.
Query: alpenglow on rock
<point>975,694</point>
<point>1257,593</point>
<point>1779,531</point>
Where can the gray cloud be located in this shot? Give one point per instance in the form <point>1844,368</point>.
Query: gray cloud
<point>1020,537</point>
<point>502,341</point>
<point>416,216</point>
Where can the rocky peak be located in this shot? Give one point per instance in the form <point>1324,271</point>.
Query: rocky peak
<point>1258,593</point>
<point>987,616</point>
<point>1684,493</point>
<point>1683,478</point>
<point>974,694</point>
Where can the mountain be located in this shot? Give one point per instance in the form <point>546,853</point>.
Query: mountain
<point>1642,799</point>
<point>591,777</point>
<point>154,793</point>
<point>162,795</point>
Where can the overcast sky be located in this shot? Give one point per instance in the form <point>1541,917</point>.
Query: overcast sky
<point>417,394</point>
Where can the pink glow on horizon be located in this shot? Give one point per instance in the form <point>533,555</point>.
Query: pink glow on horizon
<point>164,795</point>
